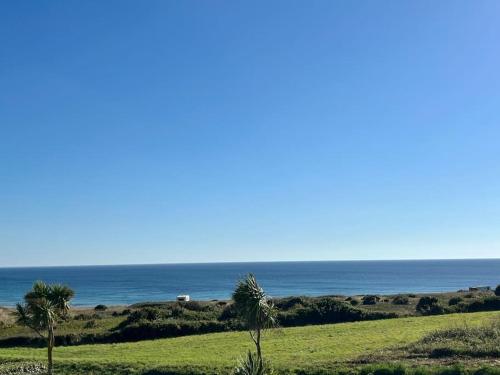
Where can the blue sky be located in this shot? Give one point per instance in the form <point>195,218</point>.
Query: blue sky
<point>196,131</point>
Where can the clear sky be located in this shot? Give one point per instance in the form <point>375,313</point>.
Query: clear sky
<point>196,131</point>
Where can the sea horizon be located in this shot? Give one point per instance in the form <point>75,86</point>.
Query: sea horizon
<point>246,261</point>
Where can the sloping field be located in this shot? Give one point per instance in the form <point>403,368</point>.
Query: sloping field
<point>291,348</point>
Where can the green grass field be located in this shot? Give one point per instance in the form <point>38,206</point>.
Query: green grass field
<point>318,347</point>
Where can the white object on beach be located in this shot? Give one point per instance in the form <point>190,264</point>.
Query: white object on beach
<point>183,298</point>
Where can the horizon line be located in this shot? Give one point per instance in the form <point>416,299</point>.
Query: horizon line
<point>248,261</point>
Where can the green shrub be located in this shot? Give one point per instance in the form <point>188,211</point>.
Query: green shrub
<point>101,308</point>
<point>400,300</point>
<point>327,310</point>
<point>429,306</point>
<point>497,291</point>
<point>370,300</point>
<point>486,304</point>
<point>290,302</point>
<point>194,306</point>
<point>148,330</point>
<point>229,312</point>
<point>147,313</point>
<point>454,301</point>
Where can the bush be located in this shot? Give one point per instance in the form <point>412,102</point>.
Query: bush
<point>497,291</point>
<point>149,330</point>
<point>429,306</point>
<point>147,313</point>
<point>327,310</point>
<point>486,304</point>
<point>229,312</point>
<point>123,313</point>
<point>454,301</point>
<point>101,308</point>
<point>252,366</point>
<point>194,306</point>
<point>370,300</point>
<point>290,302</point>
<point>400,300</point>
<point>354,302</point>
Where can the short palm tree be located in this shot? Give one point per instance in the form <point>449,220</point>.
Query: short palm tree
<point>255,309</point>
<point>43,307</point>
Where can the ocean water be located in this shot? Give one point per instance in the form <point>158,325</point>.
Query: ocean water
<point>129,284</point>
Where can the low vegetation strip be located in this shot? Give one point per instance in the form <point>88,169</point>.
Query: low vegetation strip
<point>318,348</point>
<point>465,341</point>
<point>174,319</point>
<point>149,321</point>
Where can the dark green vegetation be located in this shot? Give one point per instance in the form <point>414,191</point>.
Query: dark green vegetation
<point>172,319</point>
<point>401,300</point>
<point>347,348</point>
<point>430,306</point>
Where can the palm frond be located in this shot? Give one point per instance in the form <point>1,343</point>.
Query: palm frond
<point>21,314</point>
<point>24,316</point>
<point>253,305</point>
<point>60,295</point>
<point>44,306</point>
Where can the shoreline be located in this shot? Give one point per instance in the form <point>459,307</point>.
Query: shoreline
<point>115,306</point>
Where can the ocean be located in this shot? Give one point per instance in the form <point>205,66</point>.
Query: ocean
<point>118,285</point>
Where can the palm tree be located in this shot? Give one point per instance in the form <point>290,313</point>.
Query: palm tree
<point>43,307</point>
<point>255,308</point>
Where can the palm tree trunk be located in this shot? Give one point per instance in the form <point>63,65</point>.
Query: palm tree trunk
<point>50,346</point>
<point>257,344</point>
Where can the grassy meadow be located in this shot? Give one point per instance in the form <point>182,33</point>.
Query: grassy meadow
<point>301,350</point>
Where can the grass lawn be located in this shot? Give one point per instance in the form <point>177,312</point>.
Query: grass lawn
<point>288,349</point>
